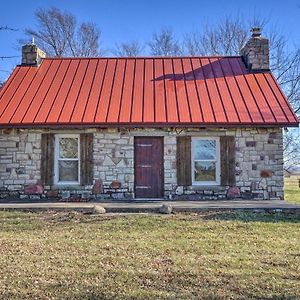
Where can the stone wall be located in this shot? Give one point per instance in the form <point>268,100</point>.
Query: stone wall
<point>114,160</point>
<point>20,157</point>
<point>259,165</point>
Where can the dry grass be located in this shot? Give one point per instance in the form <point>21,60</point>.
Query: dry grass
<point>210,256</point>
<point>292,189</point>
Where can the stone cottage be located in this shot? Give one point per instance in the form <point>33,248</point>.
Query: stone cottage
<point>156,127</point>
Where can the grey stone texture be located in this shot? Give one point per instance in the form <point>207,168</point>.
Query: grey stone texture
<point>256,53</point>
<point>32,55</point>
<point>259,163</point>
<point>99,210</point>
<point>165,209</point>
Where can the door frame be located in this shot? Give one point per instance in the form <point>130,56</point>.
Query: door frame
<point>162,169</point>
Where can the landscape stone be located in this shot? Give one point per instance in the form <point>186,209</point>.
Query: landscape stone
<point>165,209</point>
<point>98,210</point>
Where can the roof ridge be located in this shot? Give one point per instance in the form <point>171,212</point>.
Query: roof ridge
<point>144,57</point>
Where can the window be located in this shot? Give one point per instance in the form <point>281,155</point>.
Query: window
<point>67,160</point>
<point>205,161</point>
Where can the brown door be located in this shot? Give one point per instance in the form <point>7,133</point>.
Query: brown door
<point>148,167</point>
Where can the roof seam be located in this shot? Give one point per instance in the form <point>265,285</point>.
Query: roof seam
<point>8,82</point>
<point>254,99</point>
<point>62,108</point>
<point>285,98</point>
<point>175,91</point>
<point>279,104</point>
<point>264,97</point>
<point>47,92</point>
<point>196,87</point>
<point>22,97</point>
<point>186,92</point>
<point>122,91</point>
<point>111,90</point>
<point>14,93</point>
<point>165,92</point>
<point>153,82</point>
<point>239,89</point>
<point>80,89</point>
<point>58,90</point>
<point>217,86</point>
<point>207,90</point>
<point>143,99</point>
<point>229,91</point>
<point>132,92</point>
<point>35,93</point>
<point>100,93</point>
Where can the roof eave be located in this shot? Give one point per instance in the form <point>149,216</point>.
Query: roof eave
<point>149,125</point>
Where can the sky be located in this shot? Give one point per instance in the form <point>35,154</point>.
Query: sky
<point>127,20</point>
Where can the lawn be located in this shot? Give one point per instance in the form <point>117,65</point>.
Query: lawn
<point>208,256</point>
<point>292,190</point>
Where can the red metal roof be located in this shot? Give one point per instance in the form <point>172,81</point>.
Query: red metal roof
<point>179,91</point>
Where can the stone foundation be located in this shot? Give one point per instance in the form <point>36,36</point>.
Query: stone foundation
<point>259,165</point>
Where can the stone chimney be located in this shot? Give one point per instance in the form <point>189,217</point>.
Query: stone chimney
<point>256,52</point>
<point>32,55</point>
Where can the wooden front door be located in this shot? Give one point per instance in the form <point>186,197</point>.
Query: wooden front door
<point>148,167</point>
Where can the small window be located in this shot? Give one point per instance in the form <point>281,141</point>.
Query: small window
<point>67,160</point>
<point>206,161</point>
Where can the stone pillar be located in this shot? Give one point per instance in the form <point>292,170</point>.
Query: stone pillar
<point>32,55</point>
<point>256,52</point>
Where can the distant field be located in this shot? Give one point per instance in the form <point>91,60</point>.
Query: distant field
<point>209,256</point>
<point>292,190</point>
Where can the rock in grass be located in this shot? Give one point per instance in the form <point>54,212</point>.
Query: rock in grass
<point>166,209</point>
<point>98,209</point>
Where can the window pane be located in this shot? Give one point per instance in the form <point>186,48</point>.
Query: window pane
<point>204,149</point>
<point>68,170</point>
<point>68,147</point>
<point>205,171</point>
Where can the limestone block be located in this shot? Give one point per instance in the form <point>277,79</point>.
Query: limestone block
<point>98,210</point>
<point>108,161</point>
<point>121,164</point>
<point>22,157</point>
<point>28,148</point>
<point>165,209</point>
<point>179,190</point>
<point>7,144</point>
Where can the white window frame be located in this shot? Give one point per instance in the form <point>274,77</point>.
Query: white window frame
<point>57,158</point>
<point>217,161</point>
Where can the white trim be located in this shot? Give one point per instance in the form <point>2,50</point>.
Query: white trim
<point>57,158</point>
<point>217,161</point>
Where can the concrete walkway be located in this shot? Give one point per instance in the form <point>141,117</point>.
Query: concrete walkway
<point>153,206</point>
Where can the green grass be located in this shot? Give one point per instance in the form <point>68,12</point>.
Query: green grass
<point>292,190</point>
<point>209,256</point>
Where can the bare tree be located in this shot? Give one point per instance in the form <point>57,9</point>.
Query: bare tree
<point>291,141</point>
<point>164,44</point>
<point>229,36</point>
<point>130,49</point>
<point>225,38</point>
<point>58,34</point>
